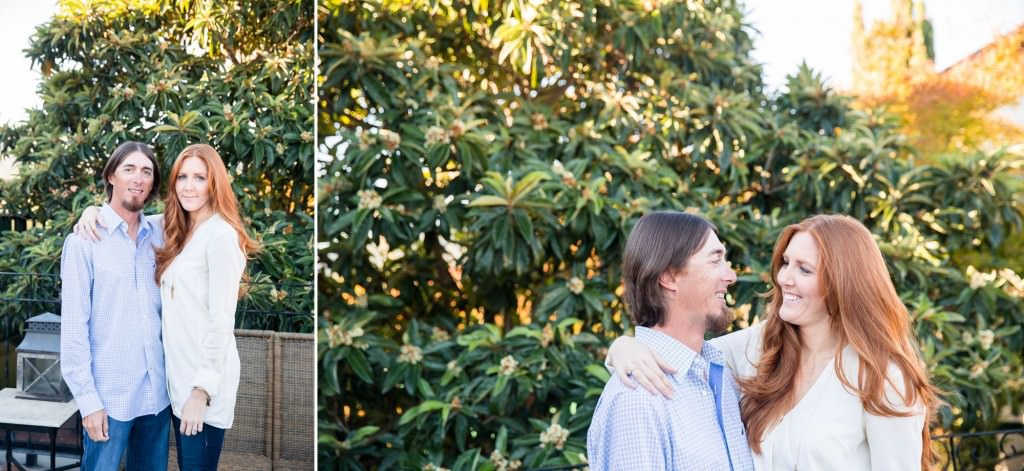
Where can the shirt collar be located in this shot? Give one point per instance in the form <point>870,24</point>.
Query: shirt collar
<point>114,220</point>
<point>678,355</point>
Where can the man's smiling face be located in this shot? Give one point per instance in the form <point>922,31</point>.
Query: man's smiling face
<point>132,181</point>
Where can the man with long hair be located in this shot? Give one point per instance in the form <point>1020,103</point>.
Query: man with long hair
<point>676,276</point>
<point>111,355</point>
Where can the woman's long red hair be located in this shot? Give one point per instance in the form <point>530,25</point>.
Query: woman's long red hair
<point>178,223</point>
<point>864,312</point>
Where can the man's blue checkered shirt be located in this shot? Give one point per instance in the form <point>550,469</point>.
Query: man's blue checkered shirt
<point>633,429</point>
<point>110,350</point>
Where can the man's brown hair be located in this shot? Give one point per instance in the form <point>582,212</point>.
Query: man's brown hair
<point>659,242</point>
<point>122,152</point>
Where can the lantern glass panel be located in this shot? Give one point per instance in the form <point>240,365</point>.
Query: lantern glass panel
<point>41,377</point>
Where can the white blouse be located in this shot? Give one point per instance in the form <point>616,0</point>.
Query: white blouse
<point>829,428</point>
<point>199,291</point>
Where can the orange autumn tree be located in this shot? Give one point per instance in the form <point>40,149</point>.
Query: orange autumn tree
<point>942,112</point>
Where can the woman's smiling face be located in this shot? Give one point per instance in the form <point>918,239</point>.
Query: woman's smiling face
<point>803,303</point>
<point>192,185</point>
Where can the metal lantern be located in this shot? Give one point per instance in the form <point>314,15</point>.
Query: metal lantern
<point>39,374</point>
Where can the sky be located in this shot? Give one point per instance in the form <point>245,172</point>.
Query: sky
<point>18,82</point>
<point>818,31</point>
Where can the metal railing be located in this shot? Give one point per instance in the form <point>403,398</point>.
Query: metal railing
<point>983,450</point>
<point>12,223</point>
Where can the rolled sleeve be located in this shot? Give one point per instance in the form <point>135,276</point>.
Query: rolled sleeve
<point>76,274</point>
<point>226,263</point>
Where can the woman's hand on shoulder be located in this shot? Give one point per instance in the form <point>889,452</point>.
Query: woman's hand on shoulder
<point>89,224</point>
<point>635,363</point>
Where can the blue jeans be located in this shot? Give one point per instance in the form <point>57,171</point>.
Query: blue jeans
<point>144,438</point>
<point>199,452</point>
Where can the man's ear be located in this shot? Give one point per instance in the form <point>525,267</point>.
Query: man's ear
<point>667,280</point>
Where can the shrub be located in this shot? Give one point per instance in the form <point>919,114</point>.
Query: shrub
<point>484,162</point>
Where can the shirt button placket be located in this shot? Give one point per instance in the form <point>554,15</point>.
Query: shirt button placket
<point>135,263</point>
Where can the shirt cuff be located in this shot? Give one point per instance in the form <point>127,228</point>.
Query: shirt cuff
<point>208,381</point>
<point>89,403</point>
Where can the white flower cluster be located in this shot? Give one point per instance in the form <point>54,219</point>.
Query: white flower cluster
<point>555,435</point>
<point>390,139</point>
<point>440,204</point>
<point>369,199</point>
<point>575,285</point>
<point>336,336</point>
<point>978,369</point>
<point>547,335</point>
<point>1007,279</point>
<point>978,279</point>
<point>436,135</point>
<point>440,335</point>
<point>539,122</point>
<point>567,177</point>
<point>985,339</point>
<point>508,365</point>
<point>503,464</point>
<point>410,354</point>
<point>457,128</point>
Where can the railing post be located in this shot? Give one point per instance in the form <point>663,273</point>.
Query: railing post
<point>954,454</point>
<point>7,348</point>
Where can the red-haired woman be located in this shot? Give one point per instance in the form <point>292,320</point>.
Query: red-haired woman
<point>832,378</point>
<point>199,270</point>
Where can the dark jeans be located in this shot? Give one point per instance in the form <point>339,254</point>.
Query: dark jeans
<point>144,438</point>
<point>201,451</point>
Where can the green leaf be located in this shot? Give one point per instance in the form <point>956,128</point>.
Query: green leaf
<point>487,200</point>
<point>499,385</point>
<point>599,372</point>
<point>501,442</point>
<point>359,365</point>
<point>422,408</point>
<point>363,432</point>
<point>444,414</point>
<point>468,461</point>
<point>523,331</point>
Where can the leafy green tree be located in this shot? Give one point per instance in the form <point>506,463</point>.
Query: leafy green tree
<point>483,163</point>
<point>238,76</point>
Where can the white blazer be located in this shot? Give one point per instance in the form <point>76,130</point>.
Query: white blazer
<point>199,291</point>
<point>829,428</point>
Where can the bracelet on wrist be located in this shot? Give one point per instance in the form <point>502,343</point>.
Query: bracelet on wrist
<point>195,388</point>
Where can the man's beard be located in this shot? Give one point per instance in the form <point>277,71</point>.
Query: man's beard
<point>132,205</point>
<point>717,322</point>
